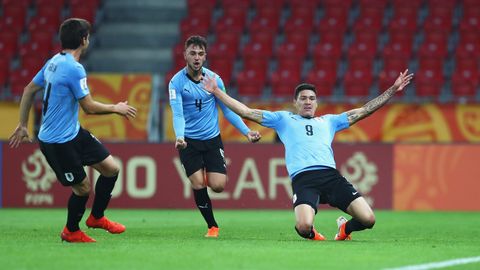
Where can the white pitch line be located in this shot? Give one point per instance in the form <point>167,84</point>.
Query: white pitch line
<point>437,265</point>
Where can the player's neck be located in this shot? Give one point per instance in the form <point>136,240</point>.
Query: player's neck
<point>195,75</point>
<point>75,53</point>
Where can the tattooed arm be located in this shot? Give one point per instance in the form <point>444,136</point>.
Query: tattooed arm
<point>210,84</point>
<point>358,114</point>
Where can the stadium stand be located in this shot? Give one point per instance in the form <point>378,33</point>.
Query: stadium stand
<point>260,47</point>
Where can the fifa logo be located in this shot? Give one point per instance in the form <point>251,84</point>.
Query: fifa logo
<point>362,173</point>
<point>38,177</point>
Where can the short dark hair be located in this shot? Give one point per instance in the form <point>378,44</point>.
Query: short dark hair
<point>304,86</point>
<point>73,31</point>
<point>196,41</point>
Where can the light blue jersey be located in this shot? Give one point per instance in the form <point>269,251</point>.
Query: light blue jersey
<point>195,113</point>
<point>65,82</point>
<point>307,141</point>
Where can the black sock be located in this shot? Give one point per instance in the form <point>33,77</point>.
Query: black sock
<point>205,206</point>
<point>76,208</point>
<point>103,193</point>
<point>354,225</point>
<point>309,235</point>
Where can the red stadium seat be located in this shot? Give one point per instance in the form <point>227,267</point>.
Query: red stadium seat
<point>311,4</point>
<point>462,86</point>
<point>357,82</point>
<point>210,4</point>
<point>265,20</point>
<point>368,23</point>
<point>428,82</point>
<point>323,79</point>
<point>295,24</point>
<point>403,24</point>
<point>397,50</point>
<point>33,64</point>
<point>223,67</point>
<point>258,49</point>
<point>4,70</point>
<point>363,49</point>
<point>292,50</point>
<point>92,4</point>
<point>255,63</point>
<point>250,82</point>
<point>8,44</point>
<point>13,19</point>
<point>325,63</point>
<point>44,23</point>
<point>233,19</point>
<point>395,63</point>
<point>268,4</point>
<point>223,50</point>
<point>196,23</point>
<point>36,48</point>
<point>283,81</point>
<point>468,63</point>
<point>238,4</point>
<point>333,22</point>
<point>430,63</point>
<point>83,11</point>
<point>327,50</point>
<point>438,24</point>
<point>50,3</point>
<point>438,50</point>
<point>19,78</point>
<point>289,63</point>
<point>468,49</point>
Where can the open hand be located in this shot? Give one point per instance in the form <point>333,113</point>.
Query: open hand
<point>403,80</point>
<point>20,135</point>
<point>209,84</point>
<point>126,110</point>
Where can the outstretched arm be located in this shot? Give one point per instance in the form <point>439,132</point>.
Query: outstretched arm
<point>91,106</point>
<point>21,132</point>
<point>210,84</point>
<point>358,114</point>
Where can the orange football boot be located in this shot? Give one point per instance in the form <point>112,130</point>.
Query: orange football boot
<point>341,235</point>
<point>212,232</point>
<point>76,236</point>
<point>105,223</point>
<point>318,236</point>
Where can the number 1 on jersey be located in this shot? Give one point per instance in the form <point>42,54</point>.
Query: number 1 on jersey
<point>45,100</point>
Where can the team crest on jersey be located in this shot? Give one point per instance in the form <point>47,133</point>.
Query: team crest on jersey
<point>83,84</point>
<point>172,93</point>
<point>69,176</point>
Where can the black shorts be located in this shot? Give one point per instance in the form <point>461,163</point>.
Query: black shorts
<point>67,159</point>
<point>321,187</point>
<point>201,154</point>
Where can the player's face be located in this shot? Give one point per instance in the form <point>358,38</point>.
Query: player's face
<point>195,56</point>
<point>306,103</point>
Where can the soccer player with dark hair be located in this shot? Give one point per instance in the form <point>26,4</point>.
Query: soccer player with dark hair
<point>309,155</point>
<point>66,146</point>
<point>195,122</point>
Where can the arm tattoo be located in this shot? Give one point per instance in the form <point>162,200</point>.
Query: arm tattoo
<point>371,106</point>
<point>379,101</point>
<point>255,115</point>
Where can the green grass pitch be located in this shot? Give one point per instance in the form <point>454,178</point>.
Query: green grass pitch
<point>249,239</point>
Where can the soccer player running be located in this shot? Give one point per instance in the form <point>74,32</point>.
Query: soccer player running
<point>66,146</point>
<point>195,122</point>
<point>309,155</point>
